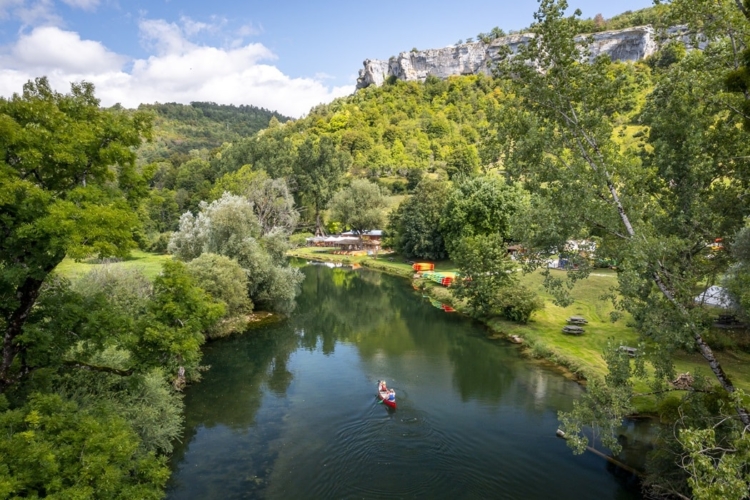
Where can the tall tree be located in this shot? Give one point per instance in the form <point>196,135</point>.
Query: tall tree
<point>414,227</point>
<point>656,214</point>
<point>68,186</point>
<point>318,170</point>
<point>480,206</point>
<point>359,206</point>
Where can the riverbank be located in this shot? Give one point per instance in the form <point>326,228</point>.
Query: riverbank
<point>579,357</point>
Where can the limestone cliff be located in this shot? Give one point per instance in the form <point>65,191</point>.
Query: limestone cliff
<point>630,44</point>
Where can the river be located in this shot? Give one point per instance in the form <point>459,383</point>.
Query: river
<point>289,411</point>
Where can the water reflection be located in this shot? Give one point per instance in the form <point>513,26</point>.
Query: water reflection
<point>289,410</point>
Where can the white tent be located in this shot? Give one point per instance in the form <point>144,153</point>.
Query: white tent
<point>715,296</point>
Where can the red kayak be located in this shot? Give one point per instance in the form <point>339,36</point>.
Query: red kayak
<point>383,396</point>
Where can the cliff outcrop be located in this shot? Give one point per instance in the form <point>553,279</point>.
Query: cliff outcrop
<point>631,44</point>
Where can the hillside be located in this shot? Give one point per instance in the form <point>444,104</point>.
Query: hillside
<point>180,128</point>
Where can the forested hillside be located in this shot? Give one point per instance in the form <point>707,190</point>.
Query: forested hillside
<point>179,128</point>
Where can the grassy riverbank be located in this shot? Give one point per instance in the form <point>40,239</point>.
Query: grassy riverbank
<point>148,263</point>
<point>579,356</point>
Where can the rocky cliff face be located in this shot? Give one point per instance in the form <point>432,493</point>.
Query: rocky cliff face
<point>630,44</point>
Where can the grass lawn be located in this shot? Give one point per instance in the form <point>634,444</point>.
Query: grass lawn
<point>148,263</point>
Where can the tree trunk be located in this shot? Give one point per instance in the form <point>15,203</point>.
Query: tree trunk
<point>27,294</point>
<point>721,376</point>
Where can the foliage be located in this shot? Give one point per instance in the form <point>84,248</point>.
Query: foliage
<point>53,447</point>
<point>517,303</point>
<point>229,227</point>
<point>655,206</point>
<point>146,401</point>
<point>68,186</point>
<point>359,206</point>
<point>655,16</point>
<point>479,206</point>
<point>318,170</point>
<point>127,290</point>
<point>180,128</point>
<point>273,204</point>
<point>484,268</point>
<point>226,281</point>
<point>414,227</point>
<point>171,331</point>
<point>737,279</point>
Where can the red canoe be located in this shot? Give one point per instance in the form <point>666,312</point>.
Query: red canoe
<point>383,396</point>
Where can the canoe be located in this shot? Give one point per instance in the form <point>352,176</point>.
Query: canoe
<point>383,396</point>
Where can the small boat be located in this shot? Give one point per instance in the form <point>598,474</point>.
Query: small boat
<point>383,396</point>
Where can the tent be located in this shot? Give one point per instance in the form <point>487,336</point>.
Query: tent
<point>715,296</point>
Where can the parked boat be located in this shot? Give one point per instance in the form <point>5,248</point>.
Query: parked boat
<point>383,396</point>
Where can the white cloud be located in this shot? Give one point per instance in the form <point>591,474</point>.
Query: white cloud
<point>34,13</point>
<point>50,48</point>
<point>178,71</point>
<point>8,6</point>
<point>82,4</point>
<point>249,30</point>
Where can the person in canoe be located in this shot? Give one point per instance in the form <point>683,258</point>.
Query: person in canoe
<point>392,395</point>
<point>382,387</point>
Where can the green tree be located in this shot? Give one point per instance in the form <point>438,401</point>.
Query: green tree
<point>480,206</point>
<point>171,332</point>
<point>359,206</point>
<point>484,268</point>
<point>68,186</point>
<point>463,160</point>
<point>229,227</point>
<point>52,447</point>
<point>656,213</point>
<point>319,168</point>
<point>414,227</point>
<point>226,281</point>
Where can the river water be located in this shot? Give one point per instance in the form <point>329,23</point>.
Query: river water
<point>288,411</point>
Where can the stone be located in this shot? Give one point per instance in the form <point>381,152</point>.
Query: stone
<point>630,44</point>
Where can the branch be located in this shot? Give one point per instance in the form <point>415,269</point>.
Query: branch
<point>671,390</point>
<point>742,8</point>
<point>102,369</point>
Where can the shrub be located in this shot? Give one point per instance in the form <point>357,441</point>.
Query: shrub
<point>518,303</point>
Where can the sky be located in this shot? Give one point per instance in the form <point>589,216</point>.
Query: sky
<point>283,55</point>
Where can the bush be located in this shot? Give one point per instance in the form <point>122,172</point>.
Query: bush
<point>160,243</point>
<point>398,187</point>
<point>299,239</point>
<point>518,303</point>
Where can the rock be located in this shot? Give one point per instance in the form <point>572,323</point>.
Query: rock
<point>630,44</point>
<point>683,382</point>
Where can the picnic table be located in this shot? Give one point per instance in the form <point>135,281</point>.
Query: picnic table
<point>573,330</point>
<point>577,320</point>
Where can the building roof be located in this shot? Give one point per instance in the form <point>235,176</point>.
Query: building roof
<point>369,232</point>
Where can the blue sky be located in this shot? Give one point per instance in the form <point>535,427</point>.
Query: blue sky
<point>284,55</point>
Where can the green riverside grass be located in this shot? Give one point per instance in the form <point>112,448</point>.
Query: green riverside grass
<point>579,356</point>
<point>149,264</point>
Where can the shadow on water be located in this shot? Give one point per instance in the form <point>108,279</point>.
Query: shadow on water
<point>288,410</point>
